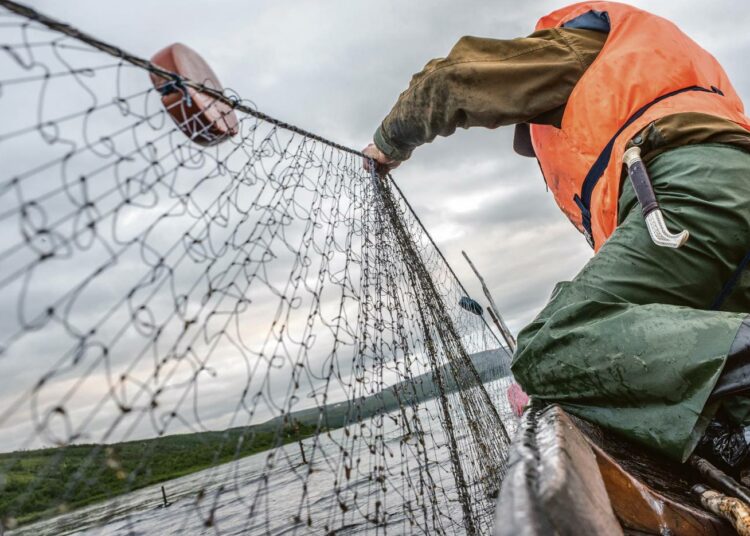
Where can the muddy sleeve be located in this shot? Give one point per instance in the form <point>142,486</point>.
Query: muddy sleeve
<point>489,83</point>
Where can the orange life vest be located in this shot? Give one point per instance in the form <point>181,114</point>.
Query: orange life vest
<point>646,70</point>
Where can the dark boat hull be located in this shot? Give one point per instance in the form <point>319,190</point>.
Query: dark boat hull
<point>567,476</point>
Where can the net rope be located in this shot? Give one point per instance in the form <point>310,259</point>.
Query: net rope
<point>261,326</point>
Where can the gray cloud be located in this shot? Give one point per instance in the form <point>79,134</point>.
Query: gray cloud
<point>335,67</point>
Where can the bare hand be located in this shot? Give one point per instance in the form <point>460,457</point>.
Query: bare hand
<point>383,164</point>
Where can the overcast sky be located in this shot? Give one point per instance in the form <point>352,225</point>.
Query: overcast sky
<point>336,66</point>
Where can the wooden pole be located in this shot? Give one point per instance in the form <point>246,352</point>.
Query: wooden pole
<point>492,309</point>
<point>499,326</point>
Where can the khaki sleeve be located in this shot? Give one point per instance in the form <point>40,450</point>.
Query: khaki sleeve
<point>488,83</point>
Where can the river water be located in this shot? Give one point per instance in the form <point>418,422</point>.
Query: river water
<point>231,492</point>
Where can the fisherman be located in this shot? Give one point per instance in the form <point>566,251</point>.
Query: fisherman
<point>648,341</point>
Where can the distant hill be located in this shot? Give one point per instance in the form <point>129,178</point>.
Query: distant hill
<point>490,364</point>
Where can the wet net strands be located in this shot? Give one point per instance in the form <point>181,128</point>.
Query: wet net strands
<point>261,326</point>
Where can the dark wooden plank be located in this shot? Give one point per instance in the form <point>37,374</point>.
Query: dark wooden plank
<point>649,492</point>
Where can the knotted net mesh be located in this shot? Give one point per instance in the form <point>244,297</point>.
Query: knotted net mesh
<point>254,337</point>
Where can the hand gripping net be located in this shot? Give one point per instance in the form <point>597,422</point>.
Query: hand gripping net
<point>260,326</point>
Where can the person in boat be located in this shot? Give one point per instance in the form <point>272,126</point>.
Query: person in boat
<point>647,341</point>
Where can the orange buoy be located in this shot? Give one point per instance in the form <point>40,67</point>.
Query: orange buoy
<point>203,118</point>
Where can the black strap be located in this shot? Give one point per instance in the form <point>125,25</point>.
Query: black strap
<point>731,283</point>
<point>600,165</point>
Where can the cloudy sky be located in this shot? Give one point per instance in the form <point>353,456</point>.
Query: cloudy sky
<point>336,66</point>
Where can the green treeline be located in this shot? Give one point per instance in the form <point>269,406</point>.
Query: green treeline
<point>41,483</point>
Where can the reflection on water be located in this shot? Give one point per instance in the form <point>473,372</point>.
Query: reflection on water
<point>246,497</point>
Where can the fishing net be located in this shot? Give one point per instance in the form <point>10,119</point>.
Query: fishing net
<point>259,326</point>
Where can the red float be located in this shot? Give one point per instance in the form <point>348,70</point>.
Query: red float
<point>203,118</point>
